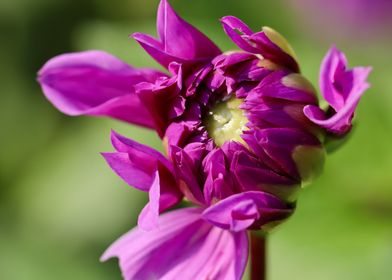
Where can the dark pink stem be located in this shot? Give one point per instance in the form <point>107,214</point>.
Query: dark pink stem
<point>258,257</point>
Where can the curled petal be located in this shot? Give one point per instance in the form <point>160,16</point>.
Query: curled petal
<point>239,32</point>
<point>247,210</point>
<point>184,245</point>
<point>178,40</point>
<point>146,170</point>
<point>96,83</point>
<point>342,88</point>
<point>268,43</point>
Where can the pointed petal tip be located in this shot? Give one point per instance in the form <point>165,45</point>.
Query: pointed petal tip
<point>164,2</point>
<point>132,35</point>
<point>117,138</point>
<point>367,70</point>
<point>146,40</point>
<point>104,257</point>
<point>108,254</point>
<point>177,39</point>
<point>114,134</point>
<point>333,47</point>
<point>104,154</point>
<point>224,19</point>
<point>136,35</point>
<point>114,137</point>
<point>236,23</point>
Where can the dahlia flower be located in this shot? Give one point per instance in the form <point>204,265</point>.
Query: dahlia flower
<point>242,133</point>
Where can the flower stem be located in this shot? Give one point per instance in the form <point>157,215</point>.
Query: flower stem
<point>258,256</point>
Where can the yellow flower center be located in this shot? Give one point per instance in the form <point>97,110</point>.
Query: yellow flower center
<point>226,121</point>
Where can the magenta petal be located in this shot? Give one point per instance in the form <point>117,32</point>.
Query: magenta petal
<point>337,83</point>
<point>155,49</point>
<point>135,163</point>
<point>184,244</point>
<point>240,211</point>
<point>148,218</point>
<point>96,83</point>
<point>252,173</point>
<point>238,31</point>
<point>126,145</point>
<point>342,88</point>
<point>219,180</point>
<point>257,43</point>
<point>334,64</point>
<point>163,98</point>
<point>178,40</point>
<point>146,170</point>
<point>128,169</point>
<point>187,168</point>
<point>273,52</point>
<point>161,197</point>
<point>279,145</point>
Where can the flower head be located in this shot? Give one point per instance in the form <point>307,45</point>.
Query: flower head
<point>242,133</point>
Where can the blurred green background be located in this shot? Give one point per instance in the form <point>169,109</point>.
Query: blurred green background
<point>61,206</point>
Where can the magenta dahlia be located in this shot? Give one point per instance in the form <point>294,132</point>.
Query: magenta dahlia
<point>242,132</point>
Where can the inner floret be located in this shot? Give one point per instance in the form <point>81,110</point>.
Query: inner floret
<point>226,121</point>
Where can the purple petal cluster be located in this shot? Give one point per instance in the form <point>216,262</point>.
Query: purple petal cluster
<point>242,132</point>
